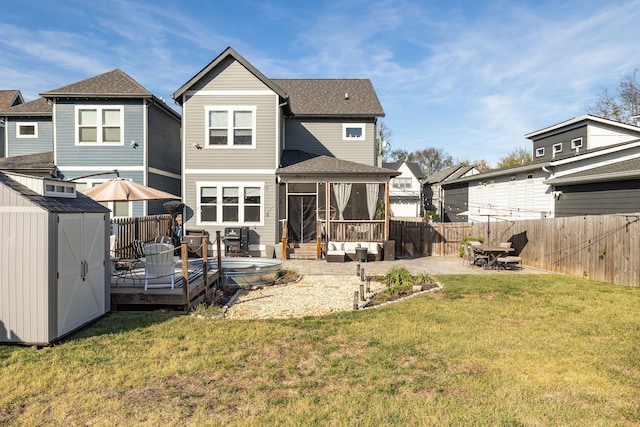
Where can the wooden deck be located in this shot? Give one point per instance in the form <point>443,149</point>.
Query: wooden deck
<point>131,293</point>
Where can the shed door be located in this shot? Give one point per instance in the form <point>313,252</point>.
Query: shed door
<point>81,270</point>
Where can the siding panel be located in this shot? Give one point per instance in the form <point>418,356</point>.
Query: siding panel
<point>24,146</point>
<point>164,140</point>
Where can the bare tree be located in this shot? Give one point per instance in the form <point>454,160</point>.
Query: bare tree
<point>624,104</point>
<point>517,157</point>
<point>431,159</point>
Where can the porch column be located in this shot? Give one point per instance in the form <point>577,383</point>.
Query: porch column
<point>386,210</point>
<point>327,206</point>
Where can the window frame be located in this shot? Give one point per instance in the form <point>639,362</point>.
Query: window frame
<point>19,125</point>
<point>99,126</point>
<point>574,143</point>
<point>362,126</point>
<point>557,148</point>
<point>241,204</point>
<point>230,110</point>
<point>399,180</point>
<point>539,151</point>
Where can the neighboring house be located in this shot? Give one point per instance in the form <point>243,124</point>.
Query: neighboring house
<point>596,176</point>
<point>110,122</point>
<point>261,153</point>
<point>8,99</point>
<point>406,193</point>
<point>458,195</point>
<point>29,128</point>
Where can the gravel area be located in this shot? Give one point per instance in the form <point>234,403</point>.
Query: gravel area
<point>311,296</point>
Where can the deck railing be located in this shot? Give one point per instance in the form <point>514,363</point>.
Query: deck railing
<point>145,229</point>
<point>357,231</point>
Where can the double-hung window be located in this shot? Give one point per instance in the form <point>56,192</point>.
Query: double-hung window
<point>225,203</point>
<point>233,126</point>
<point>99,125</point>
<point>26,130</point>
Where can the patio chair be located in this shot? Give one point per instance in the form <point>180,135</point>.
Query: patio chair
<point>159,263</point>
<point>467,257</point>
<point>479,258</point>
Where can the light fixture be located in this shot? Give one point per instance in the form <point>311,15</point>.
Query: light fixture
<point>133,143</point>
<point>197,145</point>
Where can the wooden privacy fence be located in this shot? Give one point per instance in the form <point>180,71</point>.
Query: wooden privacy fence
<point>417,239</point>
<point>605,248</point>
<point>145,228</point>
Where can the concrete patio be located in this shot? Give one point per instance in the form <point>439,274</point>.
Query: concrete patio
<point>432,265</point>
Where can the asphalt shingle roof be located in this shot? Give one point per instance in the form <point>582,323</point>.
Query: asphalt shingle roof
<point>296,162</point>
<point>32,162</point>
<point>331,97</point>
<point>112,84</point>
<point>9,98</point>
<point>37,107</point>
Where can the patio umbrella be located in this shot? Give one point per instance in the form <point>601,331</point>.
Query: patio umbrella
<point>124,190</point>
<point>488,212</point>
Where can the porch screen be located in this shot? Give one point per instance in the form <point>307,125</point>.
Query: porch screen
<point>343,192</point>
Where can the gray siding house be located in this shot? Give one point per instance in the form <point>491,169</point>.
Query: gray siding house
<point>265,154</point>
<point>110,122</point>
<point>8,99</point>
<point>596,176</point>
<point>29,128</point>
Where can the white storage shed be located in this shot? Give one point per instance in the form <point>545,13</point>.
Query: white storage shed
<point>54,259</point>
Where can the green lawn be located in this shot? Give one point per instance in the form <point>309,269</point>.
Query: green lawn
<point>507,350</point>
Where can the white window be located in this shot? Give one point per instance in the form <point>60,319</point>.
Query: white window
<point>353,132</point>
<point>576,143</point>
<point>401,182</point>
<point>26,130</point>
<point>225,203</point>
<point>540,152</point>
<point>557,148</point>
<point>99,125</point>
<point>231,126</point>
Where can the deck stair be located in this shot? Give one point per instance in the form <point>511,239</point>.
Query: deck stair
<point>302,251</point>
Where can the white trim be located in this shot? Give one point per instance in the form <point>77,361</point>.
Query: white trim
<point>578,120</point>
<point>362,126</point>
<point>539,152</point>
<point>557,148</point>
<point>101,168</point>
<point>574,143</point>
<point>35,130</point>
<point>99,125</point>
<point>230,109</point>
<point>228,92</point>
<point>164,173</point>
<point>230,171</point>
<point>240,186</point>
<point>595,154</point>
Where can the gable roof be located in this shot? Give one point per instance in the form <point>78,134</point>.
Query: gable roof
<point>579,120</point>
<point>414,167</point>
<point>39,163</point>
<point>228,52</point>
<point>37,107</point>
<point>297,162</point>
<point>450,173</point>
<point>9,98</point>
<point>331,97</point>
<point>112,84</point>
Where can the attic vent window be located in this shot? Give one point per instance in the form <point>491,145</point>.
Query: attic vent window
<point>59,190</point>
<point>557,148</point>
<point>26,130</point>
<point>540,152</point>
<point>576,143</point>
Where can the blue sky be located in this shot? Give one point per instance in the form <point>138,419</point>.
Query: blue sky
<point>468,77</point>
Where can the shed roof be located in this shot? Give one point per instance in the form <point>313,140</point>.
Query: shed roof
<point>79,204</point>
